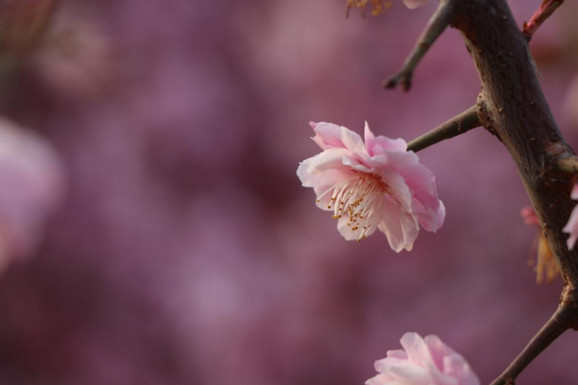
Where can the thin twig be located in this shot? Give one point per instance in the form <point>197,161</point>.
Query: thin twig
<point>560,321</point>
<point>436,25</point>
<point>546,9</point>
<point>455,126</point>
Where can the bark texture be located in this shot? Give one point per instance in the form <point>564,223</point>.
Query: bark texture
<point>513,107</point>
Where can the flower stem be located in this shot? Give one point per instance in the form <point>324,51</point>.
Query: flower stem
<point>455,126</point>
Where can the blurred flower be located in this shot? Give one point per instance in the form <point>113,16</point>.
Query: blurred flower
<point>378,184</point>
<point>572,225</point>
<point>32,184</point>
<point>529,216</point>
<point>413,4</point>
<point>379,6</point>
<point>424,361</point>
<point>76,57</point>
<point>546,263</point>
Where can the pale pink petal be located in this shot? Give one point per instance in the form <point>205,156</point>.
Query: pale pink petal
<point>356,164</point>
<point>417,349</point>
<point>413,4</point>
<point>398,354</point>
<point>421,181</point>
<point>381,145</point>
<point>352,141</point>
<point>574,193</point>
<point>456,367</point>
<point>329,135</point>
<point>572,229</point>
<point>410,374</point>
<point>399,227</point>
<point>311,168</point>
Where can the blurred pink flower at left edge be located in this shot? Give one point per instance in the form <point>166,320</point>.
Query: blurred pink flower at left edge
<point>373,185</point>
<point>424,361</point>
<point>571,227</point>
<point>32,180</point>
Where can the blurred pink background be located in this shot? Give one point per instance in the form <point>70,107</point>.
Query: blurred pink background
<point>185,251</point>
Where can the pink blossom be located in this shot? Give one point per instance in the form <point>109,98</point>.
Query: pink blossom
<point>572,225</point>
<point>529,216</point>
<point>424,361</point>
<point>32,181</point>
<point>413,4</point>
<point>373,185</point>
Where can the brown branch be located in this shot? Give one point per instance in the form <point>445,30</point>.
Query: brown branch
<point>552,329</point>
<point>436,25</point>
<point>513,107</point>
<point>455,126</point>
<point>546,9</point>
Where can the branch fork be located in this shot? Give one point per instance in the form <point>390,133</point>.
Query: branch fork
<point>512,106</point>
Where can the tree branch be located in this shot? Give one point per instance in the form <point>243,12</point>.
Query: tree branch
<point>455,126</point>
<point>512,105</point>
<point>552,329</point>
<point>546,9</point>
<point>436,25</point>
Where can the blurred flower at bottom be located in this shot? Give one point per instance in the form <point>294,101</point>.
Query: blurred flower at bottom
<point>423,361</point>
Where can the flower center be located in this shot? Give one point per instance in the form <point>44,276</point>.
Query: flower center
<point>358,200</point>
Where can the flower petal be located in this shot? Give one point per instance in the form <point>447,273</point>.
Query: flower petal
<point>381,144</point>
<point>309,170</point>
<point>572,228</point>
<point>400,228</point>
<point>329,135</point>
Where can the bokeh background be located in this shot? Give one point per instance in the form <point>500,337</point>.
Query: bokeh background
<point>153,230</point>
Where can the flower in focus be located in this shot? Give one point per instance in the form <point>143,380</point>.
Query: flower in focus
<point>547,267</point>
<point>572,225</point>
<point>373,185</point>
<point>424,361</point>
<point>32,182</point>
